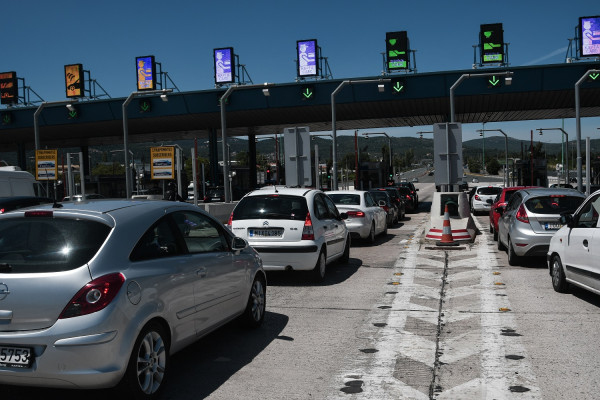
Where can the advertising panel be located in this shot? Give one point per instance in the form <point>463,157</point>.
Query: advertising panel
<point>163,165</point>
<point>9,88</point>
<point>589,36</point>
<point>46,165</point>
<point>307,52</point>
<point>145,72</point>
<point>224,62</point>
<point>74,80</point>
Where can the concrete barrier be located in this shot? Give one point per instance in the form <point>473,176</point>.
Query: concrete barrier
<point>461,220</point>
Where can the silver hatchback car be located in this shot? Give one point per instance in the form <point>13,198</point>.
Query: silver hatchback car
<point>531,218</point>
<point>99,294</point>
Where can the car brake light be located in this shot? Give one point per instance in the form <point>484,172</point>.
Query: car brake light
<point>230,220</point>
<point>2,210</point>
<point>522,215</point>
<point>386,208</point>
<point>356,214</point>
<point>307,232</point>
<point>94,296</point>
<point>477,197</point>
<point>38,213</point>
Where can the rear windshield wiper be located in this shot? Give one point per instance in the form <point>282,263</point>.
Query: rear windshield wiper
<point>5,267</point>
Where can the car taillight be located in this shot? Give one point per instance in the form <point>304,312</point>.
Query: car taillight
<point>522,215</point>
<point>94,296</point>
<point>2,210</point>
<point>356,214</point>
<point>230,220</point>
<point>39,214</point>
<point>477,197</point>
<point>307,232</point>
<point>386,208</point>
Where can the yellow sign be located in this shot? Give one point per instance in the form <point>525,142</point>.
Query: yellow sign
<point>162,159</point>
<point>46,165</point>
<point>74,80</point>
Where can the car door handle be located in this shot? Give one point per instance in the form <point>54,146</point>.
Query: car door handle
<point>201,272</point>
<point>585,243</point>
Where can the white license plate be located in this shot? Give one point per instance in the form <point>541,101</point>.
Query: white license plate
<point>15,357</point>
<point>265,232</point>
<point>552,227</point>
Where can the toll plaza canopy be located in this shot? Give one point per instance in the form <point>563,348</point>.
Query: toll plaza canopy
<point>536,92</point>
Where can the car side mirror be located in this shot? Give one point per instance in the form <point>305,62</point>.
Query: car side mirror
<point>343,215</point>
<point>499,210</point>
<point>567,219</point>
<point>238,244</point>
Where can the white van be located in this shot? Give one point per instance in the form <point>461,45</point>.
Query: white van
<point>18,183</point>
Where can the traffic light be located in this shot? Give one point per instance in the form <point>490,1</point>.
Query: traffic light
<point>145,105</point>
<point>72,112</point>
<point>396,50</point>
<point>6,118</point>
<point>307,92</point>
<point>397,85</point>
<point>494,81</point>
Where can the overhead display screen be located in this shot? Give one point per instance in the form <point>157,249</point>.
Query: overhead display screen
<point>9,88</point>
<point>224,65</point>
<point>306,50</point>
<point>396,49</point>
<point>74,80</point>
<point>146,74</point>
<point>589,36</point>
<point>491,40</point>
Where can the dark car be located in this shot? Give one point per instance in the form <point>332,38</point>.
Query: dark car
<point>214,194</point>
<point>391,211</point>
<point>14,203</point>
<point>397,200</point>
<point>409,199</point>
<point>413,191</point>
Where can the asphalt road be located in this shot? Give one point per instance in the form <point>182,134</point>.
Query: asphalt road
<point>402,320</point>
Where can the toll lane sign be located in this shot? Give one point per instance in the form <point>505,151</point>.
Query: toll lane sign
<point>162,159</point>
<point>46,165</point>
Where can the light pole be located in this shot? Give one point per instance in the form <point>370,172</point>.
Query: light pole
<point>505,151</point>
<point>380,87</point>
<point>507,81</point>
<point>162,92</point>
<point>36,115</point>
<point>222,102</point>
<point>567,152</point>
<point>578,126</point>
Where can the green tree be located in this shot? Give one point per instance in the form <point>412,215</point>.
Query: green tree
<point>493,166</point>
<point>474,165</point>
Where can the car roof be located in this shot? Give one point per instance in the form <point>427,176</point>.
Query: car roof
<point>347,192</point>
<point>282,190</point>
<point>548,191</point>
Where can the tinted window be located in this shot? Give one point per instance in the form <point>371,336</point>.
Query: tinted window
<point>331,208</point>
<point>200,233</point>
<point>321,208</point>
<point>345,199</point>
<point>380,196</point>
<point>553,204</point>
<point>272,207</point>
<point>589,214</point>
<point>42,244</point>
<point>489,190</point>
<point>369,200</point>
<point>403,190</point>
<point>158,241</point>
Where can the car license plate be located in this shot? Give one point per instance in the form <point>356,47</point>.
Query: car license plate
<point>15,357</point>
<point>265,232</point>
<point>552,227</point>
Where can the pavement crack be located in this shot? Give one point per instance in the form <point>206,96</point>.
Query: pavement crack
<point>433,387</point>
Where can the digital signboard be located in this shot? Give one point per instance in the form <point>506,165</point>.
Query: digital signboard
<point>396,50</point>
<point>589,36</point>
<point>145,72</point>
<point>224,61</point>
<point>308,57</point>
<point>491,40</point>
<point>9,88</point>
<point>74,80</point>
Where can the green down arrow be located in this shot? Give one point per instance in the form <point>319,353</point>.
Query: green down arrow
<point>594,76</point>
<point>6,119</point>
<point>398,87</point>
<point>72,114</point>
<point>307,93</point>
<point>145,106</point>
<point>494,81</point>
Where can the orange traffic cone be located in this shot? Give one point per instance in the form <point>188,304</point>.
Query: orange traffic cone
<point>447,239</point>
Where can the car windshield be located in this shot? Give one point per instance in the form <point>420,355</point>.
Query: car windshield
<point>553,204</point>
<point>272,207</point>
<point>345,199</point>
<point>42,244</point>
<point>493,190</point>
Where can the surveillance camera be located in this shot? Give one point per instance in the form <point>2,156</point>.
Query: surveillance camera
<point>508,80</point>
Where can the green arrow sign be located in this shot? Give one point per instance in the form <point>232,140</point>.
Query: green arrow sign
<point>145,106</point>
<point>6,119</point>
<point>594,76</point>
<point>307,93</point>
<point>73,114</point>
<point>397,87</point>
<point>494,81</point>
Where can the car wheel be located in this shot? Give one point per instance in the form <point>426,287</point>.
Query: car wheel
<point>319,270</point>
<point>500,244</point>
<point>513,259</point>
<point>255,309</point>
<point>147,368</point>
<point>371,237</point>
<point>559,283</point>
<point>346,255</point>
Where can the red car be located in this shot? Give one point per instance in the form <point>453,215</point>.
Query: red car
<point>500,203</point>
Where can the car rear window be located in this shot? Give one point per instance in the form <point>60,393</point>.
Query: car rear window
<point>489,190</point>
<point>404,190</point>
<point>271,207</point>
<point>379,196</point>
<point>48,244</point>
<point>345,199</point>
<point>553,204</point>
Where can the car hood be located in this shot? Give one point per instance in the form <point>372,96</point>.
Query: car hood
<point>35,301</point>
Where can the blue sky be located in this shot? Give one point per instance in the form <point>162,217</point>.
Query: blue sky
<point>40,37</point>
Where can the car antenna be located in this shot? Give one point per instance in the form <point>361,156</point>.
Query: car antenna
<point>275,186</point>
